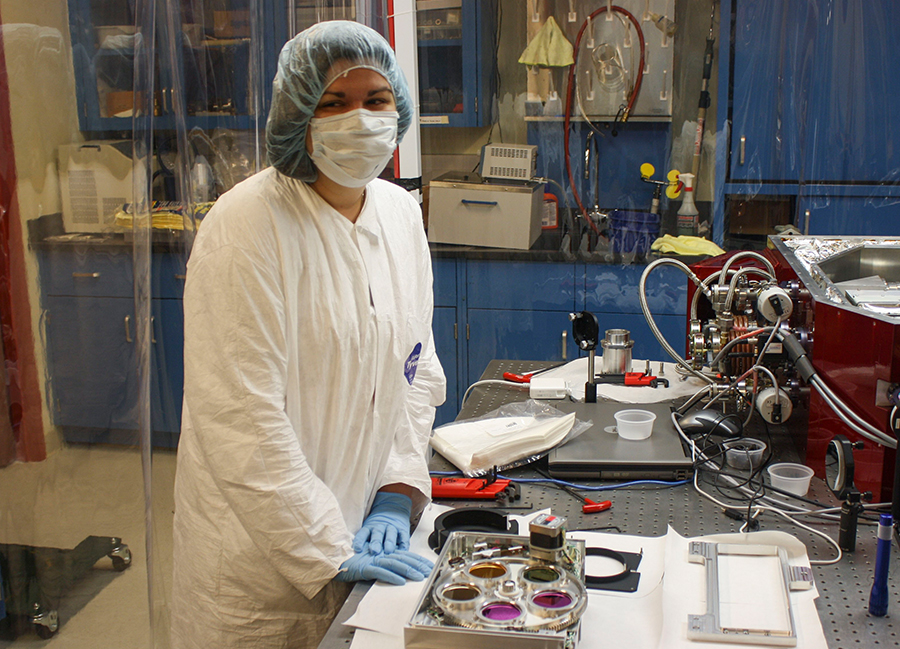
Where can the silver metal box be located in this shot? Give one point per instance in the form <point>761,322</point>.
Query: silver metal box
<point>433,626</point>
<point>462,210</point>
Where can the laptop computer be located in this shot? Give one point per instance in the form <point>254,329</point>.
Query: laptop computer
<point>601,455</point>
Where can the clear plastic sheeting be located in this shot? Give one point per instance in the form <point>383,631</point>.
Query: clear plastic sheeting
<point>810,120</point>
<point>121,123</point>
<point>512,435</point>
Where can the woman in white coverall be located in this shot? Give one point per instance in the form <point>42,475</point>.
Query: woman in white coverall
<point>310,372</point>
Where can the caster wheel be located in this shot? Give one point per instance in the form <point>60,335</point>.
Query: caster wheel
<point>46,624</point>
<point>121,558</point>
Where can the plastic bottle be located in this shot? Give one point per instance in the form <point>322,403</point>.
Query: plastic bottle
<point>878,598</point>
<point>202,180</point>
<point>688,219</point>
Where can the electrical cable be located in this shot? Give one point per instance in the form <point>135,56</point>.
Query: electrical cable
<point>758,509</point>
<point>490,382</point>
<point>572,485</point>
<point>838,405</point>
<point>645,308</point>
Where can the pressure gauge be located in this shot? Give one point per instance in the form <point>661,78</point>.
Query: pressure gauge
<point>839,466</point>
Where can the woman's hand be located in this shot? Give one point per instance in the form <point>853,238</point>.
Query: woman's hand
<point>395,568</point>
<point>386,528</point>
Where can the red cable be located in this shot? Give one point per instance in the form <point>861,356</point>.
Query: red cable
<point>570,89</point>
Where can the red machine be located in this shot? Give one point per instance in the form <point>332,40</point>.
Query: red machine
<point>849,332</point>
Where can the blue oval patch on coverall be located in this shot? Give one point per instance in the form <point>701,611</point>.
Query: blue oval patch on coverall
<point>412,362</point>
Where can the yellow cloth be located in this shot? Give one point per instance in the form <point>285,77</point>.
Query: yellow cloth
<point>685,245</point>
<point>165,215</point>
<point>549,48</point>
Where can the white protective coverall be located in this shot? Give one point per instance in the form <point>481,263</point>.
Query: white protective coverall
<point>310,382</point>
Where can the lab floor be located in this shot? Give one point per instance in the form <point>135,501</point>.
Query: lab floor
<point>83,491</point>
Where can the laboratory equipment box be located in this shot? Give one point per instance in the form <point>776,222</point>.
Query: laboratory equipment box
<point>466,210</point>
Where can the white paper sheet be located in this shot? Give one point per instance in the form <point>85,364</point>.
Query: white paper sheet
<point>575,375</point>
<point>684,591</point>
<point>386,609</point>
<point>654,617</point>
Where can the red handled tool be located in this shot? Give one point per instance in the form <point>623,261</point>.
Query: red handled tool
<point>474,489</point>
<point>526,376</point>
<point>589,506</point>
<point>632,379</point>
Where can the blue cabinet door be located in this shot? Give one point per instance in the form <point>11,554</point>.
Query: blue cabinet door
<point>445,343</point>
<point>91,350</point>
<point>855,122</point>
<point>646,346</point>
<point>875,216</point>
<point>773,52</point>
<point>517,335</point>
<point>168,364</point>
<point>456,63</point>
<point>520,285</point>
<point>615,289</point>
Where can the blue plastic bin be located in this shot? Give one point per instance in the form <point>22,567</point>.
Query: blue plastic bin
<point>632,232</point>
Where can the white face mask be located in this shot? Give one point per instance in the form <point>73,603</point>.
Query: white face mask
<point>353,147</point>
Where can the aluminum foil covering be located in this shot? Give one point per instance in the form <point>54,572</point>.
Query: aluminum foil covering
<point>811,251</point>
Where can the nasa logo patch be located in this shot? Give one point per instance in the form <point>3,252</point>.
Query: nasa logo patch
<point>412,363</point>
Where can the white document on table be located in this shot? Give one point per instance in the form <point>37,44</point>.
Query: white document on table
<point>653,617</point>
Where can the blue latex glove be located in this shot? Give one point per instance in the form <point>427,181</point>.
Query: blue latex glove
<point>394,568</point>
<point>386,528</point>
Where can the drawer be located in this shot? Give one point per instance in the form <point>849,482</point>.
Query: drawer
<point>96,272</point>
<point>524,286</point>
<point>614,289</point>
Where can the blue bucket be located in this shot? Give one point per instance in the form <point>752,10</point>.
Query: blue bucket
<point>632,232</point>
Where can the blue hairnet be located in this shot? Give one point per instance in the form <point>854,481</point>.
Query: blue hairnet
<point>302,77</point>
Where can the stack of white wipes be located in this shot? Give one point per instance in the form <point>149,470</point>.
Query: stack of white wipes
<point>476,446</point>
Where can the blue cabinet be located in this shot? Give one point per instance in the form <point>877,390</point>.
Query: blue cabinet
<point>854,119</point>
<point>445,327</point>
<point>93,375</point>
<point>772,66</point>
<point>519,310</point>
<point>810,112</point>
<point>457,61</point>
<point>612,294</point>
<point>90,344</point>
<point>517,335</point>
<point>210,66</point>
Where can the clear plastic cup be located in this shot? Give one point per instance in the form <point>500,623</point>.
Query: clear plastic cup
<point>793,478</point>
<point>635,424</point>
<point>744,453</point>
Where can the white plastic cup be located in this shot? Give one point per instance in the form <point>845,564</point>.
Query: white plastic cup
<point>793,478</point>
<point>635,424</point>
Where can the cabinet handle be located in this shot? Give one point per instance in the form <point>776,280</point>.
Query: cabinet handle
<point>565,336</point>
<point>743,148</point>
<point>177,276</point>
<point>466,201</point>
<point>153,329</point>
<point>128,338</point>
<point>91,275</point>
